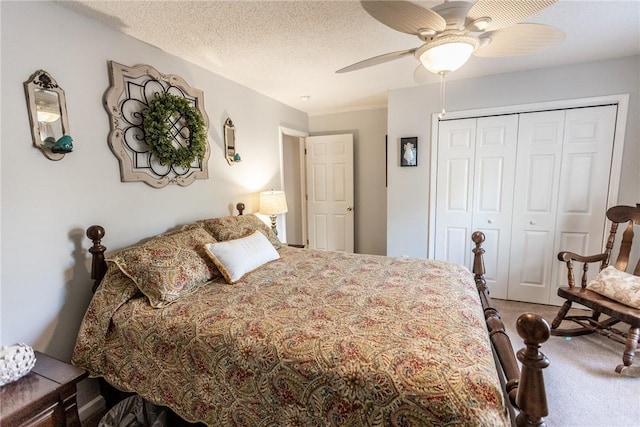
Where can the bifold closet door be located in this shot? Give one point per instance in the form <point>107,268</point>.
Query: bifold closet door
<point>562,180</point>
<point>476,165</point>
<point>454,191</point>
<point>584,185</point>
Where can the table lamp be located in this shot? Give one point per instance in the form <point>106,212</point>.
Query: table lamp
<point>273,203</point>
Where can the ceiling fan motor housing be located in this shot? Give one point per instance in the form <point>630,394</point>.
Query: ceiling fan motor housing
<point>455,13</point>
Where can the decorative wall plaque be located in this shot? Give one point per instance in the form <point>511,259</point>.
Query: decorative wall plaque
<point>129,96</point>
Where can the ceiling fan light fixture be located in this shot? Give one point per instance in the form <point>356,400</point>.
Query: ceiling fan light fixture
<point>448,53</point>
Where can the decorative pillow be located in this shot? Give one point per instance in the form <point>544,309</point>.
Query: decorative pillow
<point>169,265</point>
<point>235,258</point>
<point>617,285</point>
<point>235,227</point>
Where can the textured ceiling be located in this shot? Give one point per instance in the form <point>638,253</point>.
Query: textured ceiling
<point>289,50</point>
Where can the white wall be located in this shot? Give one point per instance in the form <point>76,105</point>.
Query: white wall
<point>410,111</point>
<point>47,205</point>
<point>369,128</point>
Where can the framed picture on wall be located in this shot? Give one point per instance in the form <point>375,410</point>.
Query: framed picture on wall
<point>409,151</point>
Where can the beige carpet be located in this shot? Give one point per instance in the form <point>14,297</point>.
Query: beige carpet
<point>583,388</point>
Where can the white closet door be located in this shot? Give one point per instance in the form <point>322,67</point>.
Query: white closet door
<point>493,189</point>
<point>584,186</point>
<point>476,164</point>
<point>454,193</point>
<point>562,179</point>
<point>534,209</point>
<point>533,192</point>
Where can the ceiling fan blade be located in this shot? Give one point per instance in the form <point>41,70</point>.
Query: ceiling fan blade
<point>404,16</point>
<point>504,13</point>
<point>380,59</point>
<point>520,39</point>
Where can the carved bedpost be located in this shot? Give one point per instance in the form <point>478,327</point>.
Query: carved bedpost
<point>497,333</point>
<point>532,398</point>
<point>240,207</point>
<point>478,260</point>
<point>525,389</point>
<point>98,264</point>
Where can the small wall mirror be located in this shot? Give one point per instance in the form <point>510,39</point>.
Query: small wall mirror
<point>47,115</point>
<point>230,142</point>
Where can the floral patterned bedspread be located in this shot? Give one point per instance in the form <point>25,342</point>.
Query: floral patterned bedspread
<point>312,339</point>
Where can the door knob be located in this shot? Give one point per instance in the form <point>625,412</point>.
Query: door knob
<point>532,222</point>
<point>490,221</point>
<point>350,208</point>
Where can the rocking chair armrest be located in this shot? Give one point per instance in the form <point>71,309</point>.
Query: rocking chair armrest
<point>567,256</point>
<point>570,257</point>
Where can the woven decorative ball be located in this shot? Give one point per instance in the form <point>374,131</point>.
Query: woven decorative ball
<point>15,362</point>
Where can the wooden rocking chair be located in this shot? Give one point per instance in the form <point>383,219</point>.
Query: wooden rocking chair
<point>599,304</point>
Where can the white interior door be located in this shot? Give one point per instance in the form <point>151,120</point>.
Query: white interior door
<point>534,210</point>
<point>476,163</point>
<point>563,173</point>
<point>330,193</point>
<point>564,176</point>
<point>584,186</point>
<point>495,162</point>
<point>454,191</point>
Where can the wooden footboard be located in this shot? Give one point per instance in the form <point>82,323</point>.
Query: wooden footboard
<point>525,390</point>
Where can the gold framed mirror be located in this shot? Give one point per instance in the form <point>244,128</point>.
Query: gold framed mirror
<point>47,109</point>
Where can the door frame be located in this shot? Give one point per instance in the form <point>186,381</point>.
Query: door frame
<point>301,135</point>
<point>621,100</point>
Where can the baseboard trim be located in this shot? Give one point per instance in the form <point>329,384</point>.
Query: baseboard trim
<point>92,408</point>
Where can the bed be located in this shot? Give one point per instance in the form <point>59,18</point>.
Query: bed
<point>190,320</point>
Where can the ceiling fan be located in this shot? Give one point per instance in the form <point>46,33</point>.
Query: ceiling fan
<point>454,30</point>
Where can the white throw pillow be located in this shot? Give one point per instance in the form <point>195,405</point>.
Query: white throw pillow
<point>235,258</point>
<point>618,286</point>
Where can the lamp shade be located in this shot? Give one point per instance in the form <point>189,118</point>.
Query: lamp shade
<point>273,203</point>
<point>447,53</point>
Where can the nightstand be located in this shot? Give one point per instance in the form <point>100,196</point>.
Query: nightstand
<point>46,396</point>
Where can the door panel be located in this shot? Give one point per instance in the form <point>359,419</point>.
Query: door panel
<point>534,210</point>
<point>535,263</point>
<point>319,181</point>
<point>495,157</point>
<point>584,185</point>
<point>476,163</point>
<point>330,192</point>
<point>454,190</point>
<point>458,190</point>
<point>318,231</point>
<point>541,179</point>
<point>455,238</point>
<point>490,173</point>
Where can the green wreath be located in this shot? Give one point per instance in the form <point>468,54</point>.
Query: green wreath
<point>157,135</point>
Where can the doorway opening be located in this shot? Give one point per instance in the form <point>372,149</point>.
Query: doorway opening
<point>293,183</point>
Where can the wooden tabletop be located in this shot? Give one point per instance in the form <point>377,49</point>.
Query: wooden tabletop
<point>39,389</point>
